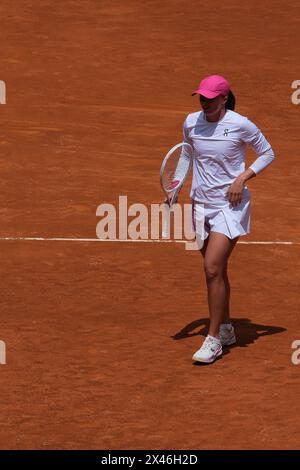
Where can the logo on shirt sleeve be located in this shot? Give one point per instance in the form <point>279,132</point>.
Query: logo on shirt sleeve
<point>226,132</point>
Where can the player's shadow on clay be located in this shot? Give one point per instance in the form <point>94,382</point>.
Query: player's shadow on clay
<point>246,332</point>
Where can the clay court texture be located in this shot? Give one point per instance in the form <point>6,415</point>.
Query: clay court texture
<point>100,335</point>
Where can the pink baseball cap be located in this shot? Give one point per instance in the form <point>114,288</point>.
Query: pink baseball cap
<point>212,86</point>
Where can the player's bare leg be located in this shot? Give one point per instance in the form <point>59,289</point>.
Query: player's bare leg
<point>216,253</point>
<point>226,315</point>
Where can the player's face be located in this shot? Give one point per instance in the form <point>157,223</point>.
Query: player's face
<point>212,106</point>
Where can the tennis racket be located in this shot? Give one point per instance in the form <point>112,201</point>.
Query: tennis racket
<point>173,173</point>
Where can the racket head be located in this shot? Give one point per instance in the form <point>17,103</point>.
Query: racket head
<point>173,174</point>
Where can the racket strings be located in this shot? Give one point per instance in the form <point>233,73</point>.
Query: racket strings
<point>176,169</point>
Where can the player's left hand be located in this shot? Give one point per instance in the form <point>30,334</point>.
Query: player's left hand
<point>235,192</point>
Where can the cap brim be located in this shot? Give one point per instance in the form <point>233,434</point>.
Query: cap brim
<point>207,93</point>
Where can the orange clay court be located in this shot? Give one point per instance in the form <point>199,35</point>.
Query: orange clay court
<point>100,336</point>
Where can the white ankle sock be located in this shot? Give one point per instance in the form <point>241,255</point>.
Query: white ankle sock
<point>216,338</point>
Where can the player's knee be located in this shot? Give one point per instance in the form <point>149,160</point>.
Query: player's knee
<point>212,271</point>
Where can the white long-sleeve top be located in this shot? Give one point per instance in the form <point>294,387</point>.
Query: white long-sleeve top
<point>220,152</point>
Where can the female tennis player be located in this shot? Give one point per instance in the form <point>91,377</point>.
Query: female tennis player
<point>219,136</point>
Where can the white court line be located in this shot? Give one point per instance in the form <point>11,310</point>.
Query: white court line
<point>56,239</point>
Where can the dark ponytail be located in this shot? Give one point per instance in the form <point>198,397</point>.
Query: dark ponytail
<point>230,103</point>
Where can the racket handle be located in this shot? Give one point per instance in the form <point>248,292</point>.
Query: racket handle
<point>166,221</point>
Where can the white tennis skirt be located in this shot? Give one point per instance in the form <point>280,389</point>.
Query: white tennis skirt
<point>222,217</point>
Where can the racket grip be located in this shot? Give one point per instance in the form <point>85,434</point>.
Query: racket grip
<point>166,221</point>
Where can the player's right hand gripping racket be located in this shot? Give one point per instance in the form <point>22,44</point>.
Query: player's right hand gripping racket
<point>173,173</point>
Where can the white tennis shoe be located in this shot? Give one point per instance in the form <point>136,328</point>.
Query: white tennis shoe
<point>227,335</point>
<point>209,351</point>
